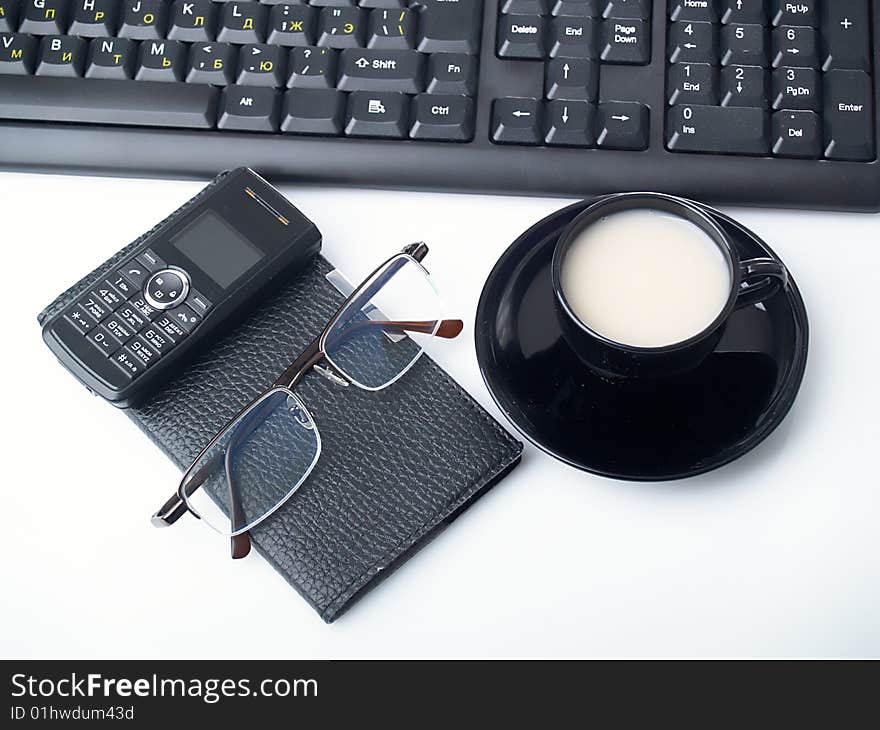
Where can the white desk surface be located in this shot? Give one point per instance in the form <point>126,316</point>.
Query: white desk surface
<point>777,554</point>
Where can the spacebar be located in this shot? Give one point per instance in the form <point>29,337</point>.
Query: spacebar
<point>105,101</point>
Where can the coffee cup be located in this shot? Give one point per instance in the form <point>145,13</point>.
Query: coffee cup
<point>645,283</point>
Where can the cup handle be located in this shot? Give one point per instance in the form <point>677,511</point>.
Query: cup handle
<point>761,278</point>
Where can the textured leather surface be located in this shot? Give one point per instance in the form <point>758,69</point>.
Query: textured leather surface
<point>396,465</point>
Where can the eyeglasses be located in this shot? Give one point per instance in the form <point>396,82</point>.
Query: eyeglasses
<point>262,456</point>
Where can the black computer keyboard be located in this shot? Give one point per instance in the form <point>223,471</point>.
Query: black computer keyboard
<point>733,101</point>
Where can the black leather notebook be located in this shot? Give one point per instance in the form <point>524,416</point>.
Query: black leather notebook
<point>396,465</point>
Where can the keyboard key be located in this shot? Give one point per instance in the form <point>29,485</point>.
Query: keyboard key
<point>626,41</point>
<point>569,123</point>
<point>525,7</point>
<point>332,3</point>
<point>392,29</point>
<point>262,65</point>
<point>451,26</point>
<point>18,53</point>
<point>119,329</point>
<point>521,36</point>
<point>157,339</point>
<point>135,272</point>
<point>142,352</point>
<point>692,83</point>
<point>745,86</point>
<point>452,73</point>
<point>377,114</point>
<point>82,321</point>
<point>122,285</point>
<point>724,130</point>
<point>574,38</point>
<point>62,56</point>
<point>8,15</point>
<point>313,111</point>
<point>692,42</point>
<point>846,29</point>
<point>292,25</point>
<point>94,18</point>
<point>390,4</point>
<point>442,118</point>
<point>44,17</point>
<point>797,134</point>
<point>108,296</point>
<point>575,8</point>
<point>161,61</point>
<point>622,125</point>
<point>94,307</point>
<point>744,11</point>
<point>100,101</point>
<point>248,108</point>
<point>744,44</point>
<point>370,70</point>
<point>849,116</point>
<point>169,328</point>
<point>151,261</point>
<point>700,10</point>
<point>516,121</point>
<point>127,363</point>
<point>143,20</point>
<point>341,28</point>
<point>111,58</point>
<point>312,68</point>
<point>192,20</point>
<point>242,22</point>
<point>795,12</point>
<point>211,63</point>
<point>796,88</point>
<point>575,79</point>
<point>640,9</point>
<point>795,46</point>
<point>104,341</point>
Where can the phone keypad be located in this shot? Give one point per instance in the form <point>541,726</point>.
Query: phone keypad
<point>116,318</point>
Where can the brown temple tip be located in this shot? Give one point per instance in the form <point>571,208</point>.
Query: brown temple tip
<point>241,546</point>
<point>450,328</point>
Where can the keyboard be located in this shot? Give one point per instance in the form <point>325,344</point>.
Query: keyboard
<point>762,102</point>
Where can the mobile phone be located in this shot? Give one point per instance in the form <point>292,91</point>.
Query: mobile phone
<point>188,279</point>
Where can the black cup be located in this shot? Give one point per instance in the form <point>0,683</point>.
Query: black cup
<point>752,281</point>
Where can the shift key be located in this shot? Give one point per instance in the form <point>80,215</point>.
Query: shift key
<point>849,116</point>
<point>720,130</point>
<point>366,69</point>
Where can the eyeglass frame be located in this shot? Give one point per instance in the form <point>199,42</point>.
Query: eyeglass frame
<point>311,357</point>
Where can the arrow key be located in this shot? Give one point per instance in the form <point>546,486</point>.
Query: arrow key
<point>569,123</point>
<point>623,125</point>
<point>692,42</point>
<point>516,121</point>
<point>793,46</point>
<point>576,79</point>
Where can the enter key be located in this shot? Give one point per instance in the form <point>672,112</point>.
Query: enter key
<point>365,69</point>
<point>849,116</point>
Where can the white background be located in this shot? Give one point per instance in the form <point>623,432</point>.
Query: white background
<point>775,555</point>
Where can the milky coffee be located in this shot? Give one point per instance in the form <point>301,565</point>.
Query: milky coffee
<point>645,278</point>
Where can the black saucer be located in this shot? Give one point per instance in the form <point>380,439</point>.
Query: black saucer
<point>672,428</point>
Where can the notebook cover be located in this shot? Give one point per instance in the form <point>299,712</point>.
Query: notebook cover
<point>396,466</point>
